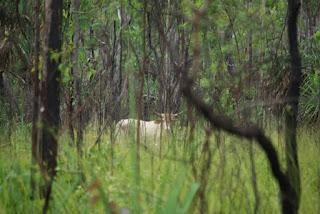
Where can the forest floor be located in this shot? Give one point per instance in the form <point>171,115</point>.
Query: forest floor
<point>173,179</point>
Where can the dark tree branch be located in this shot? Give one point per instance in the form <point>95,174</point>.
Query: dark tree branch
<point>251,133</point>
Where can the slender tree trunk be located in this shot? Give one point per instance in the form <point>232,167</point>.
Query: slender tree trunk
<point>291,110</point>
<point>120,59</point>
<point>141,80</point>
<point>77,76</point>
<point>2,89</point>
<point>69,103</point>
<point>35,113</point>
<point>2,93</point>
<point>50,100</point>
<point>231,67</point>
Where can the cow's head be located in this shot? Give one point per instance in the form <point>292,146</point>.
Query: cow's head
<point>167,118</point>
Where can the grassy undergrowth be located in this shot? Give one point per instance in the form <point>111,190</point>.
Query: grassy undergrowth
<point>170,178</point>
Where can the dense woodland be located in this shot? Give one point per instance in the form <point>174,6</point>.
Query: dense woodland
<point>159,106</point>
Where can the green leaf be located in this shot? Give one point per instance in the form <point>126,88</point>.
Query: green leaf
<point>189,197</point>
<point>317,36</point>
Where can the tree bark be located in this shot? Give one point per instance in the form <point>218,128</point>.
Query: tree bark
<point>35,113</point>
<point>76,72</point>
<point>50,100</point>
<point>69,104</point>
<point>291,110</point>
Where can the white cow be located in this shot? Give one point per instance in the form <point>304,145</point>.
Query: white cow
<point>149,130</point>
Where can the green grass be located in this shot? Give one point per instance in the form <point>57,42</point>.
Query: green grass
<point>167,183</point>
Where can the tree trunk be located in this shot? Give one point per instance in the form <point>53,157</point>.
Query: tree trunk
<point>50,101</point>
<point>35,113</point>
<point>69,104</point>
<point>141,82</point>
<point>77,76</point>
<point>291,110</point>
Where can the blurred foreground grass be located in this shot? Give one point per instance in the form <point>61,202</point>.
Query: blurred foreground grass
<point>169,177</point>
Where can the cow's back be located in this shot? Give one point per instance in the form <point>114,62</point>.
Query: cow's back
<point>124,125</point>
<point>149,130</point>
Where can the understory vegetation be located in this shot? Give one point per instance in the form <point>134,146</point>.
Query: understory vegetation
<point>169,181</point>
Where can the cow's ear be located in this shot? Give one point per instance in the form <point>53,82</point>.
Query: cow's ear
<point>157,121</point>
